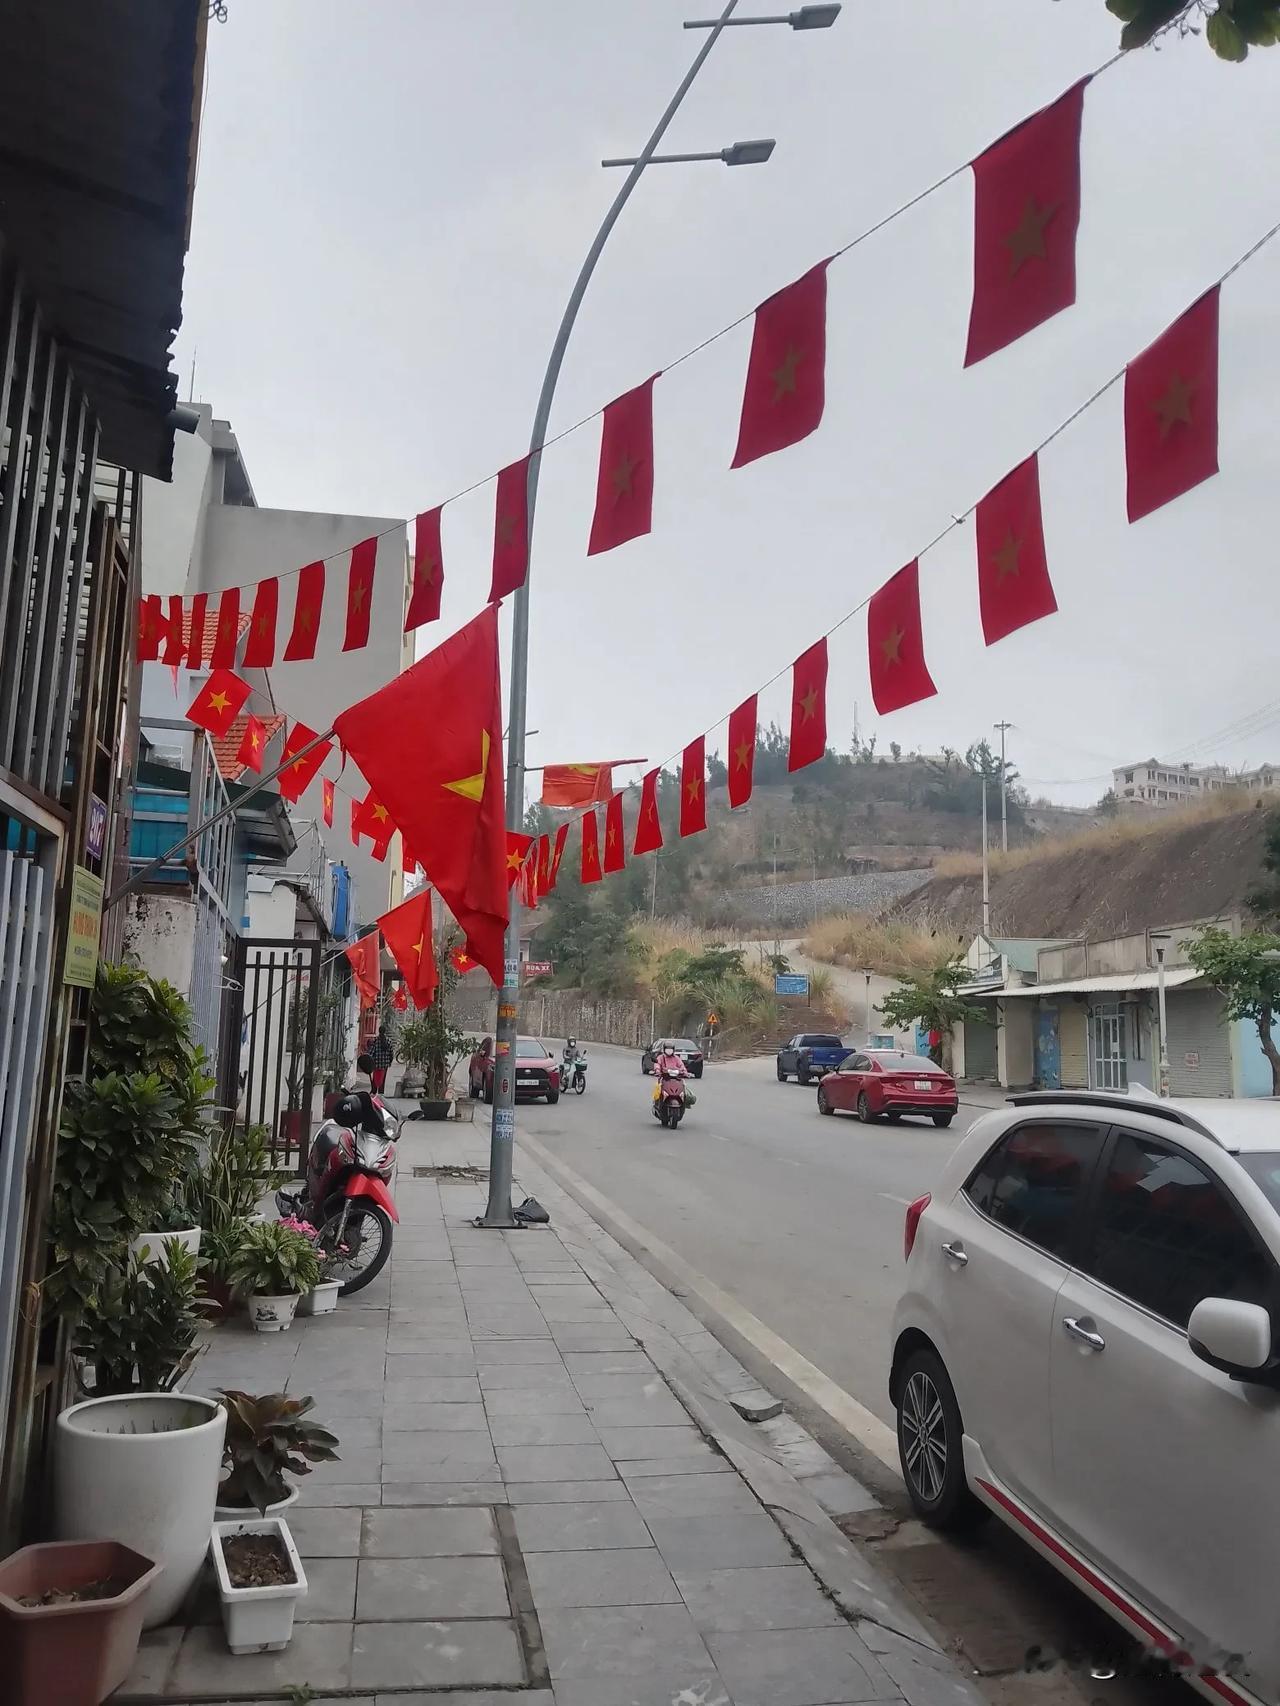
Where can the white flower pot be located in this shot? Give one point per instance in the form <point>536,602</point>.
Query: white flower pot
<point>321,1299</point>
<point>142,1469</point>
<point>272,1314</point>
<point>151,1245</point>
<point>243,1513</point>
<point>257,1620</point>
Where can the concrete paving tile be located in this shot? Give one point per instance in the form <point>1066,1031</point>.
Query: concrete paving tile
<point>362,1464</point>
<point>434,1655</point>
<point>651,1642</point>
<point>321,1652</point>
<point>423,1456</point>
<point>523,1376</point>
<point>155,1657</point>
<point>565,1492</point>
<point>428,1386</point>
<point>634,1577</point>
<point>331,1591</point>
<point>314,1491</point>
<point>411,1589</point>
<point>728,1540</point>
<point>656,1411</point>
<point>798,1667</point>
<point>673,1441</point>
<point>687,1689</point>
<point>579,1527</point>
<point>461,1492</point>
<point>554,1463</point>
<point>499,1329</point>
<point>319,1533</point>
<point>533,1401</point>
<point>602,1387</point>
<point>359,1432</point>
<point>410,1416</point>
<point>580,1363</point>
<point>569,1310</point>
<point>775,1596</point>
<point>512,1353</point>
<point>412,1338</point>
<point>446,1417</point>
<point>691,1495</point>
<point>592,1336</point>
<point>410,1364</point>
<point>407,1533</point>
<point>705,1462</point>
<point>571,1429</point>
<point>468,1697</point>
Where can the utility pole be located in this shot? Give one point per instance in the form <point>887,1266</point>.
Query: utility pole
<point>986,873</point>
<point>777,940</point>
<point>1004,776</point>
<point>1164,1023</point>
<point>653,888</point>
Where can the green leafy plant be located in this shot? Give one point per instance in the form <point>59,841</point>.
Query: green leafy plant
<point>226,1188</point>
<point>930,999</point>
<point>274,1261</point>
<point>219,1247</point>
<point>1245,970</point>
<point>267,1436</point>
<point>432,1042</point>
<point>1231,28</point>
<point>138,1333</point>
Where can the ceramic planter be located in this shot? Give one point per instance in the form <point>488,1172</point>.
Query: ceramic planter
<point>434,1110</point>
<point>142,1469</point>
<point>321,1299</point>
<point>272,1314</point>
<point>74,1654</point>
<point>243,1513</point>
<point>257,1620</point>
<point>154,1243</point>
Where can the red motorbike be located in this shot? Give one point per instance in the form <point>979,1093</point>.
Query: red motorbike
<point>345,1193</point>
<point>670,1099</point>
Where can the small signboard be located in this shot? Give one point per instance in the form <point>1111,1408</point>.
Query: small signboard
<point>84,925</point>
<point>95,835</point>
<point>1191,1057</point>
<point>790,983</point>
<point>538,968</point>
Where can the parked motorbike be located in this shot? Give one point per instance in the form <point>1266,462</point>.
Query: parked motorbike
<point>671,1099</point>
<point>345,1193</point>
<point>573,1070</point>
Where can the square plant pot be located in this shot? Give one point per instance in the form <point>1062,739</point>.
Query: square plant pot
<point>321,1299</point>
<point>257,1619</point>
<point>79,1652</point>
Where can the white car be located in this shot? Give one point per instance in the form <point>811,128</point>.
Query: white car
<point>1089,1346</point>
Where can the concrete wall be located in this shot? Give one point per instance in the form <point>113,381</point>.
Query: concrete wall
<point>160,936</point>
<point>558,1013</point>
<point>1015,1044</point>
<point>1252,1068</point>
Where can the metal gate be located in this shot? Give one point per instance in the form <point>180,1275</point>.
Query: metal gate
<point>1110,1059</point>
<point>271,1043</point>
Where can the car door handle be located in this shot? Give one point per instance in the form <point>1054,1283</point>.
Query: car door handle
<point>1078,1330</point>
<point>957,1253</point>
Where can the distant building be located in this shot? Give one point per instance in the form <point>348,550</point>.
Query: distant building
<point>1156,782</point>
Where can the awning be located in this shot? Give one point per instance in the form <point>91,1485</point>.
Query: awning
<point>1114,983</point>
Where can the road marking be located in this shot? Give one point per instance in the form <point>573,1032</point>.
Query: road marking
<point>845,1411</point>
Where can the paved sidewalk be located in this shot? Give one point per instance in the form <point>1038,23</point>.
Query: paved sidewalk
<point>525,1510</point>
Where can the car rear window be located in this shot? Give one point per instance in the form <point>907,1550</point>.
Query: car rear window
<point>821,1042</point>
<point>1264,1170</point>
<point>894,1062</point>
<point>685,1042</point>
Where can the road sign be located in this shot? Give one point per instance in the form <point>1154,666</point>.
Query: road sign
<point>790,983</point>
<point>539,968</point>
<point>712,1021</point>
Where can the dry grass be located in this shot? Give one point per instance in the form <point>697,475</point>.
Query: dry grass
<point>892,947</point>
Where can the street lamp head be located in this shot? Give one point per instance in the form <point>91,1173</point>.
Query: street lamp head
<point>753,153</point>
<point>814,17</point>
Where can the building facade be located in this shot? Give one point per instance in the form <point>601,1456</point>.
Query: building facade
<point>1156,782</point>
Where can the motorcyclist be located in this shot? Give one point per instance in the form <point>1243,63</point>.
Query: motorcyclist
<point>570,1055</point>
<point>666,1062</point>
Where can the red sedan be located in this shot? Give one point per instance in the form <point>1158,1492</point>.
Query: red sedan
<point>537,1073</point>
<point>886,1082</point>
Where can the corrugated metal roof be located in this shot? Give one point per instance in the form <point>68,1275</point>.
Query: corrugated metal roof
<point>1021,951</point>
<point>1108,982</point>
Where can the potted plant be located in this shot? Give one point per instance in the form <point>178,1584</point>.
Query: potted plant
<point>260,1581</point>
<point>275,1265</point>
<point>267,1437</point>
<point>70,1620</point>
<point>432,1044</point>
<point>322,1299</point>
<point>139,1330</point>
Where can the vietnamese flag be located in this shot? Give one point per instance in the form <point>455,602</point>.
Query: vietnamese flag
<point>1026,208</point>
<point>149,626</point>
<point>808,707</point>
<point>260,647</point>
<point>461,961</point>
<point>308,605</point>
<point>895,643</point>
<point>648,838</point>
<point>557,853</point>
<point>406,930</point>
<point>518,845</point>
<point>372,818</point>
<point>326,794</point>
<point>1013,577</point>
<point>400,999</point>
<point>742,752</point>
<point>226,635</point>
<point>528,880</point>
<point>296,775</point>
<point>253,744</point>
<point>576,784</point>
<point>590,848</point>
<point>355,818</point>
<point>510,530</point>
<point>624,484</point>
<point>428,571</point>
<point>430,745</point>
<point>693,787</point>
<point>364,958</point>
<point>615,853</point>
<point>786,373</point>
<point>544,864</point>
<point>195,641</point>
<point>364,560</point>
<point>219,702</point>
<point>1171,410</point>
<point>174,646</point>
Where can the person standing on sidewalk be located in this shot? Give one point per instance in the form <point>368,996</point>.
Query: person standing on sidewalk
<point>381,1054</point>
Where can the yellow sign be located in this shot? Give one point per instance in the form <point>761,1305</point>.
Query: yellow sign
<point>84,925</point>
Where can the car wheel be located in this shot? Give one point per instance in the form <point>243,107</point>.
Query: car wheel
<point>782,1077</point>
<point>824,1107</point>
<point>930,1448</point>
<point>943,1119</point>
<point>697,1072</point>
<point>864,1109</point>
<point>553,1096</point>
<point>802,1078</point>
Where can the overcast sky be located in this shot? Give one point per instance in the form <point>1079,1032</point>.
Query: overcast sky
<point>393,202</point>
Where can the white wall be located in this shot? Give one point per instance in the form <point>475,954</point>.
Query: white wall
<point>160,936</point>
<point>1015,1044</point>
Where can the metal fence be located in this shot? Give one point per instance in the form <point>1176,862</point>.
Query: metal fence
<point>271,1043</point>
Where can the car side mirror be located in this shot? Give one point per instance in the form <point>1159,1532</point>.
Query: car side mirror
<point>1235,1337</point>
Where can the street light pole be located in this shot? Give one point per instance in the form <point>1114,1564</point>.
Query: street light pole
<point>986,873</point>
<point>1164,1024</point>
<point>1004,812</point>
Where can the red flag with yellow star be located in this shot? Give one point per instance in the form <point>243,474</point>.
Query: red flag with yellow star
<point>557,853</point>
<point>364,560</point>
<point>400,998</point>
<point>252,745</point>
<point>308,607</point>
<point>1026,208</point>
<point>461,961</point>
<point>195,643</point>
<point>430,745</point>
<point>372,818</point>
<point>260,647</point>
<point>326,795</point>
<point>219,702</point>
<point>510,530</point>
<point>428,571</point>
<point>576,784</point>
<point>518,845</point>
<point>615,852</point>
<point>786,374</point>
<point>895,643</point>
<point>544,865</point>
<point>624,485</point>
<point>528,880</point>
<point>1171,410</point>
<point>693,787</point>
<point>741,761</point>
<point>648,837</point>
<point>1013,577</point>
<point>298,772</point>
<point>406,930</point>
<point>226,636</point>
<point>150,622</point>
<point>591,872</point>
<point>808,707</point>
<point>364,958</point>
<point>174,643</point>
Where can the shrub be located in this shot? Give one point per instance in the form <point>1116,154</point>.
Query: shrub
<point>267,1436</point>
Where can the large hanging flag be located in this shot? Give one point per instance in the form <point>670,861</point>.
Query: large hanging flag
<point>1026,199</point>
<point>195,641</point>
<point>576,784</point>
<point>406,930</point>
<point>174,641</point>
<point>741,762</point>
<point>299,771</point>
<point>693,787</point>
<point>648,837</point>
<point>219,702</point>
<point>1013,577</point>
<point>364,958</point>
<point>326,795</point>
<point>557,853</point>
<point>518,845</point>
<point>786,373</point>
<point>252,744</point>
<point>308,607</point>
<point>510,530</point>
<point>624,484</point>
<point>430,745</point>
<point>528,880</point>
<point>260,647</point>
<point>1171,410</point>
<point>428,571</point>
<point>895,643</point>
<point>591,872</point>
<point>808,707</point>
<point>226,636</point>
<point>615,853</point>
<point>543,864</point>
<point>364,561</point>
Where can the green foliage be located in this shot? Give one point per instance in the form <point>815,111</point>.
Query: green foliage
<point>1230,29</point>
<point>1263,900</point>
<point>431,1041</point>
<point>224,1190</point>
<point>138,1331</point>
<point>930,999</point>
<point>716,980</point>
<point>219,1247</point>
<point>590,945</point>
<point>266,1436</point>
<point>274,1261</point>
<point>1245,970</point>
<point>1109,804</point>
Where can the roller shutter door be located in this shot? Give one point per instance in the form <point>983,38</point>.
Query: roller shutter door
<point>1073,1042</point>
<point>1199,1044</point>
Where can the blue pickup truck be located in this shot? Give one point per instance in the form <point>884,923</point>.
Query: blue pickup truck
<point>809,1055</point>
